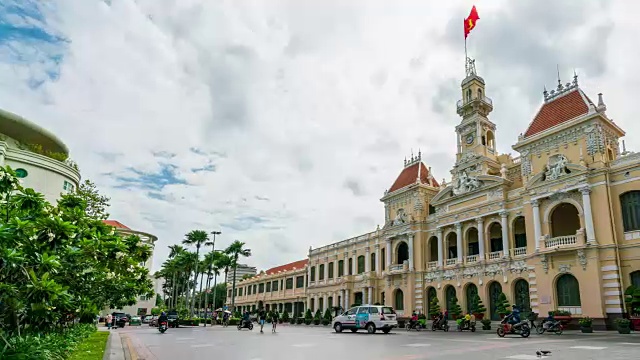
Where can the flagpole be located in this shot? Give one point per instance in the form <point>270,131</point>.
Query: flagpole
<point>464,22</point>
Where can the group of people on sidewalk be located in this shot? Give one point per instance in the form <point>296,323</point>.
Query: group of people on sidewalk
<point>262,318</point>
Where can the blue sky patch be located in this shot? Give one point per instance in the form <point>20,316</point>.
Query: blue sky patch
<point>28,39</point>
<point>151,181</point>
<point>209,168</point>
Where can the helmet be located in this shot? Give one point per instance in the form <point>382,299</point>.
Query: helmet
<point>163,313</point>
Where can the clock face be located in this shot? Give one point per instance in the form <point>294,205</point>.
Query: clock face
<point>469,138</point>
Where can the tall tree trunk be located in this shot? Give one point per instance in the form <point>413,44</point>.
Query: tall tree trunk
<point>195,279</point>
<point>174,291</point>
<point>200,297</point>
<point>215,287</point>
<point>233,287</point>
<point>206,298</point>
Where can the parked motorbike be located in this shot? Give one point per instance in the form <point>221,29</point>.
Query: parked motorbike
<point>245,325</point>
<point>163,327</point>
<point>418,325</point>
<point>553,326</point>
<point>440,325</point>
<point>521,328</point>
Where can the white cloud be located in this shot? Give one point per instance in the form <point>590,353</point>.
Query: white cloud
<point>297,104</point>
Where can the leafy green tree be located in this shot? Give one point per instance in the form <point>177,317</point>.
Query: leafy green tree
<point>285,316</point>
<point>477,307</point>
<point>62,263</point>
<point>197,238</point>
<point>159,301</point>
<point>235,250</point>
<point>318,315</point>
<point>454,308</point>
<point>97,204</point>
<point>502,304</point>
<point>308,315</point>
<point>434,307</point>
<point>327,314</point>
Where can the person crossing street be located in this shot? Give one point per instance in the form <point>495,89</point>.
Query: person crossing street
<point>274,320</point>
<point>262,317</point>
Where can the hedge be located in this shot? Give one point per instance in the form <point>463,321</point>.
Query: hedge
<point>56,345</point>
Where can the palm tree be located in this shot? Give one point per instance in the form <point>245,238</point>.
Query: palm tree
<point>215,261</point>
<point>197,238</point>
<point>174,251</point>
<point>235,250</point>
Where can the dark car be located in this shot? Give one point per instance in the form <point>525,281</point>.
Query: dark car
<point>173,319</point>
<point>121,319</point>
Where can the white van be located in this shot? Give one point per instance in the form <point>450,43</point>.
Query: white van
<point>369,317</point>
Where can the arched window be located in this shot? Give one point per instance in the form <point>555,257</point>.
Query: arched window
<point>313,273</point>
<point>399,300</point>
<point>468,95</point>
<point>373,261</point>
<point>565,220</point>
<point>630,203</point>
<point>495,237</point>
<point>360,264</point>
<point>403,252</point>
<point>521,296</point>
<point>519,233</point>
<point>568,291</point>
<point>383,259</point>
<point>350,266</point>
<point>330,270</point>
<point>433,249</point>
<point>431,294</point>
<point>340,268</point>
<point>635,278</point>
<point>472,291</point>
<point>495,289</point>
<point>473,246</point>
<point>479,93</point>
<point>452,247</point>
<point>321,272</point>
<point>491,142</point>
<point>450,293</point>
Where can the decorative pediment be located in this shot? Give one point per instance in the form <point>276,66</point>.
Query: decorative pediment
<point>485,182</point>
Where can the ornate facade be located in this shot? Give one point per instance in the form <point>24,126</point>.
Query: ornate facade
<point>557,228</point>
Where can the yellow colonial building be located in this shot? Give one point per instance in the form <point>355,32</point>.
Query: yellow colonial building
<point>557,228</point>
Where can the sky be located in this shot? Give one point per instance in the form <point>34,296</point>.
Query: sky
<point>281,123</point>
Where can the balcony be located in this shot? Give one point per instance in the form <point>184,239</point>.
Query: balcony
<point>482,99</point>
<point>472,259</point>
<point>521,251</point>
<point>560,241</point>
<point>396,267</point>
<point>450,262</point>
<point>495,255</point>
<point>432,265</point>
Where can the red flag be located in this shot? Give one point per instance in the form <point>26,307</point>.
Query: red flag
<point>470,22</point>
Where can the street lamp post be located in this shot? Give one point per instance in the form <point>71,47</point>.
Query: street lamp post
<point>206,296</point>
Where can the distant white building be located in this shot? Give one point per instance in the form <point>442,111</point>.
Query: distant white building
<point>144,304</point>
<point>242,270</point>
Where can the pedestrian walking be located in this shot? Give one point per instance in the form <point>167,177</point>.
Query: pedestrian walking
<point>108,321</point>
<point>274,320</point>
<point>262,316</point>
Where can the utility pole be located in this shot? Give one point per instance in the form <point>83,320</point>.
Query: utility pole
<point>206,296</point>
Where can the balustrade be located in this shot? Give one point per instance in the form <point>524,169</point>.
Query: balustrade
<point>520,251</point>
<point>451,261</point>
<point>495,255</point>
<point>472,259</point>
<point>432,265</point>
<point>560,241</point>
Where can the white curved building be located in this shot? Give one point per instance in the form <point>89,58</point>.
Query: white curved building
<point>38,157</point>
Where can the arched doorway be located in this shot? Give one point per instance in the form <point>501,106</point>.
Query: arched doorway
<point>565,220</point>
<point>433,249</point>
<point>452,246</point>
<point>450,293</point>
<point>521,296</point>
<point>495,289</point>
<point>402,253</point>
<point>431,294</point>
<point>399,300</point>
<point>519,235</point>
<point>473,247</point>
<point>568,294</point>
<point>495,236</point>
<point>471,293</point>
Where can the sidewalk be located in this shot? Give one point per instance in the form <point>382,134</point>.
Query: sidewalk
<point>115,348</point>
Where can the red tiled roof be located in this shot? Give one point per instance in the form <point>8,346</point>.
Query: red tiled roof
<point>558,111</point>
<point>117,224</point>
<point>288,267</point>
<point>409,175</point>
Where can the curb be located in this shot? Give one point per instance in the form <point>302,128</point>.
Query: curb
<point>115,349</point>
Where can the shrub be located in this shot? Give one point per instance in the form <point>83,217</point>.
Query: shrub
<point>502,306</point>
<point>434,307</point>
<point>325,322</point>
<point>299,320</point>
<point>318,315</point>
<point>559,313</point>
<point>308,315</point>
<point>234,321</point>
<point>52,345</point>
<point>285,316</point>
<point>308,321</point>
<point>585,321</point>
<point>327,315</point>
<point>486,324</point>
<point>477,307</point>
<point>454,308</point>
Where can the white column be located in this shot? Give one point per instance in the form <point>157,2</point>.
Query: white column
<point>378,262</point>
<point>354,262</point>
<point>440,247</point>
<point>588,216</point>
<point>370,295</point>
<point>367,260</point>
<point>342,299</point>
<point>537,230</point>
<point>459,241</point>
<point>411,237</point>
<point>480,237</point>
<point>346,299</point>
<point>308,303</point>
<point>326,269</point>
<point>388,254</point>
<point>505,233</point>
<point>324,303</point>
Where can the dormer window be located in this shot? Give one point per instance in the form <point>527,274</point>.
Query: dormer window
<point>468,95</point>
<point>479,93</point>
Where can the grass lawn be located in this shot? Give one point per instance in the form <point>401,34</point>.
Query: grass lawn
<point>92,348</point>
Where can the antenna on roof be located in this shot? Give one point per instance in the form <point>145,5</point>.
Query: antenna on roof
<point>575,78</point>
<point>559,81</point>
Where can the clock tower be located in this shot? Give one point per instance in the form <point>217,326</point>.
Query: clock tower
<point>476,133</point>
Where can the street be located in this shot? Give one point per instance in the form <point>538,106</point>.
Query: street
<point>304,342</point>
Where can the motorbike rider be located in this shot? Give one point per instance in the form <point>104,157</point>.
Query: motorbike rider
<point>414,320</point>
<point>245,319</point>
<point>163,318</point>
<point>548,321</point>
<point>514,317</point>
<point>467,321</point>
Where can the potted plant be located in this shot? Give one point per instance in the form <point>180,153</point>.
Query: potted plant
<point>326,319</point>
<point>285,316</point>
<point>434,308</point>
<point>486,324</point>
<point>632,299</point>
<point>317,317</point>
<point>624,326</point>
<point>308,317</point>
<point>455,311</point>
<point>560,315</point>
<point>502,305</point>
<point>585,324</point>
<point>300,320</point>
<point>477,307</point>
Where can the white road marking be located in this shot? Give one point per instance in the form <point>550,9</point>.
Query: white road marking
<point>629,344</point>
<point>180,339</point>
<point>201,345</point>
<point>417,345</point>
<point>523,357</point>
<point>303,345</point>
<point>588,347</point>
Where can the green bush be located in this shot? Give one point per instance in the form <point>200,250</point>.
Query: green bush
<point>308,315</point>
<point>50,346</point>
<point>326,322</point>
<point>434,307</point>
<point>502,305</point>
<point>318,315</point>
<point>285,316</point>
<point>477,307</point>
<point>327,315</point>
<point>308,321</point>
<point>454,308</point>
<point>299,320</point>
<point>234,321</point>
